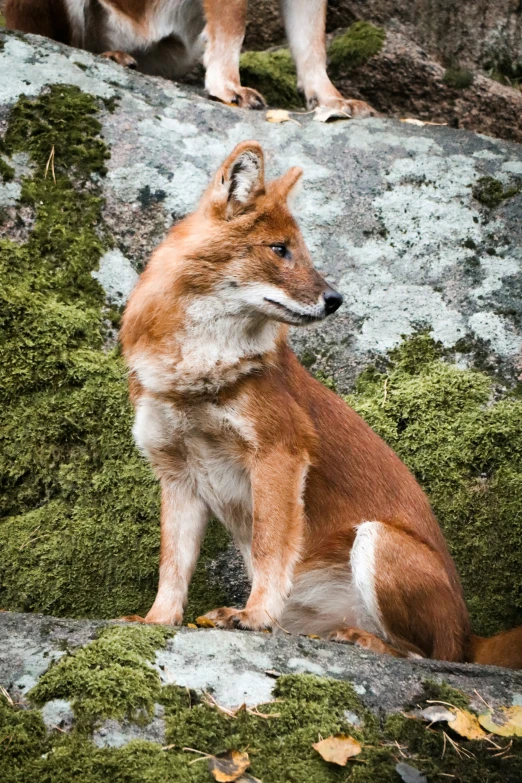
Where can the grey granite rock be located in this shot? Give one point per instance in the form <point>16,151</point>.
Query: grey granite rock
<point>387,210</point>
<point>238,667</point>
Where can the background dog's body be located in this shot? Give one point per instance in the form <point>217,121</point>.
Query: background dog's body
<point>337,536</point>
<point>167,38</point>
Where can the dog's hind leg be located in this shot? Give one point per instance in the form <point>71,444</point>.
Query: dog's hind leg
<point>405,590</point>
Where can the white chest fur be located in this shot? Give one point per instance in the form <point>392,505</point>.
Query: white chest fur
<point>201,448</point>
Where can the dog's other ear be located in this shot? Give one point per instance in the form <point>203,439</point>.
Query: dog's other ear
<point>289,185</point>
<point>239,181</point>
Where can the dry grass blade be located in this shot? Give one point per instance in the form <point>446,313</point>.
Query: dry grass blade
<point>6,695</point>
<point>50,162</point>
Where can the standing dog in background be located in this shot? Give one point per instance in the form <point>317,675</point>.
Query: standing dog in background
<point>167,37</point>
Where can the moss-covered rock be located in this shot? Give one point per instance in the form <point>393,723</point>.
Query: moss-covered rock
<point>461,436</point>
<point>356,46</point>
<point>279,737</point>
<point>109,678</point>
<point>273,74</point>
<point>79,506</point>
<point>458,78</point>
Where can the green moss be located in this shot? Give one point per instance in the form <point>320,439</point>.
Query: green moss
<point>274,75</point>
<point>79,508</point>
<point>7,172</point>
<point>458,78</point>
<point>441,691</point>
<point>306,709</point>
<point>326,380</point>
<point>466,452</point>
<point>355,47</point>
<point>108,678</point>
<point>2,20</point>
<point>273,72</point>
<point>490,191</point>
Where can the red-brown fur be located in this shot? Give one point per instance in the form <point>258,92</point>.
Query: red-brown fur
<point>318,477</point>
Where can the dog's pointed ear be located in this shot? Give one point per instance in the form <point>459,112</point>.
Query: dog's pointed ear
<point>240,180</point>
<point>289,185</point>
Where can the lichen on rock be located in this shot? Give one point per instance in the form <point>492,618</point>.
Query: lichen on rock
<point>461,436</point>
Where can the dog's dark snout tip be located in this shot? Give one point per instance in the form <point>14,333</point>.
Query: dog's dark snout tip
<point>332,301</point>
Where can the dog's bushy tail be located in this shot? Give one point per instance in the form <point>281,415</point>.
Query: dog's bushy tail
<point>504,649</point>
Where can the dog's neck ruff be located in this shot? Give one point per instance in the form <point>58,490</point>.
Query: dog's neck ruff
<point>210,353</point>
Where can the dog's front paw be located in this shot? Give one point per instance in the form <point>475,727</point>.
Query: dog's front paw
<point>153,618</point>
<point>245,619</point>
<point>244,97</point>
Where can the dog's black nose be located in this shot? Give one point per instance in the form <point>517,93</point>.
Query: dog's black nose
<point>332,301</point>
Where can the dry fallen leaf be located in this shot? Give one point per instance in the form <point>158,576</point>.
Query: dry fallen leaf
<point>506,721</point>
<point>205,622</point>
<point>466,725</point>
<point>326,114</point>
<point>191,625</point>
<point>410,774</point>
<point>280,115</point>
<point>421,123</point>
<point>338,749</point>
<point>435,714</point>
<point>229,766</point>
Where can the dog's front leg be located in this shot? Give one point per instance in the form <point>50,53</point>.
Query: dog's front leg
<point>305,22</point>
<point>278,480</point>
<point>225,31</point>
<point>184,517</point>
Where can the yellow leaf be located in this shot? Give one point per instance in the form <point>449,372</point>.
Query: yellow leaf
<point>338,749</point>
<point>229,766</point>
<point>506,721</point>
<point>205,622</point>
<point>280,115</point>
<point>191,625</point>
<point>466,724</point>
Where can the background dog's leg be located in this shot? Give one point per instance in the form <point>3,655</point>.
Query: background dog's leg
<point>225,32</point>
<point>305,30</point>
<point>184,517</point>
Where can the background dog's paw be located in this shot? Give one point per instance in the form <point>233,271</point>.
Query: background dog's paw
<point>244,97</point>
<point>245,619</point>
<point>352,108</point>
<point>122,58</point>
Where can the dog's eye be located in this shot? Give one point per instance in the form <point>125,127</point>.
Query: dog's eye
<point>281,251</point>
